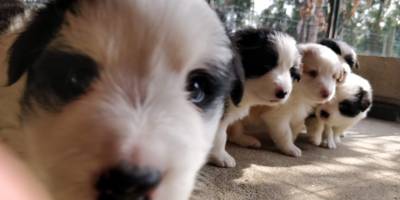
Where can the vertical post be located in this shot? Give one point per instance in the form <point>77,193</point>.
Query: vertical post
<point>333,16</point>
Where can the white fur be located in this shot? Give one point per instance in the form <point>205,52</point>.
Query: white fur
<point>258,91</point>
<point>328,131</point>
<point>137,112</point>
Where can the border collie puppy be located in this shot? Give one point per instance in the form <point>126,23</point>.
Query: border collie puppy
<point>121,102</point>
<point>352,101</point>
<point>270,62</point>
<point>322,69</point>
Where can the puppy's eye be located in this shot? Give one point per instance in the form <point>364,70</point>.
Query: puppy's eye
<point>197,94</point>
<point>202,88</point>
<point>295,73</point>
<point>313,73</point>
<point>64,74</point>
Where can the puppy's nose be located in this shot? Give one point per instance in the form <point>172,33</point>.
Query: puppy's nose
<point>325,93</point>
<point>280,93</point>
<point>120,183</point>
<point>324,114</point>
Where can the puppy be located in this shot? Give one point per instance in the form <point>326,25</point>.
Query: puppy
<point>317,128</point>
<point>321,70</point>
<point>270,62</point>
<point>121,102</point>
<point>351,104</point>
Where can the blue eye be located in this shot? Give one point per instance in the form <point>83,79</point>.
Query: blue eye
<point>202,87</point>
<point>197,93</point>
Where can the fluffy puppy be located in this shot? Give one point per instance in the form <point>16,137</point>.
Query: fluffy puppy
<point>321,70</point>
<point>270,62</point>
<point>120,101</point>
<point>352,101</point>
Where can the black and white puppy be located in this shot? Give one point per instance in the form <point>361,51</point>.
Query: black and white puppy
<point>326,127</point>
<point>270,63</point>
<point>123,98</point>
<point>351,104</point>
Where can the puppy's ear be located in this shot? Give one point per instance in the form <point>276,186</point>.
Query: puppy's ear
<point>357,65</point>
<point>305,49</point>
<point>237,89</point>
<point>332,44</point>
<point>40,31</point>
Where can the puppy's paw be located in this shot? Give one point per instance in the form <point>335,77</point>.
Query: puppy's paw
<point>338,139</point>
<point>316,140</point>
<point>293,150</point>
<point>330,144</point>
<point>223,160</point>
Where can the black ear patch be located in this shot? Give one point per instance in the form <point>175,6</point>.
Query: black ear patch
<point>332,45</point>
<point>34,40</point>
<point>238,82</point>
<point>352,107</point>
<point>257,50</point>
<point>295,74</point>
<point>351,61</point>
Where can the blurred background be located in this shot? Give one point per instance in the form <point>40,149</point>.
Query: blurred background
<point>371,26</point>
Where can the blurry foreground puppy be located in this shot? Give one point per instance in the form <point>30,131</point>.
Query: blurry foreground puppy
<point>121,102</point>
<point>270,63</point>
<point>322,69</point>
<point>352,101</point>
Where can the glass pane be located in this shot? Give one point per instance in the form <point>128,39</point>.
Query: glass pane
<point>372,26</point>
<point>304,20</point>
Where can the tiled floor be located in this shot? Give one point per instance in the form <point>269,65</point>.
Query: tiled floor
<point>366,165</point>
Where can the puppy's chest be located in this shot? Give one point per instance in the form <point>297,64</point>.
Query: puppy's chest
<point>299,112</point>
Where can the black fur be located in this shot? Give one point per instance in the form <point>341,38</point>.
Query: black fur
<point>353,107</point>
<point>295,74</point>
<point>257,50</point>
<point>34,40</point>
<point>332,44</point>
<point>57,78</point>
<point>237,90</point>
<point>350,61</point>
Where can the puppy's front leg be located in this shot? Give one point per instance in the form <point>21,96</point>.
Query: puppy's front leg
<point>315,128</point>
<point>219,156</point>
<point>329,141</point>
<point>237,136</point>
<point>338,133</point>
<point>282,135</point>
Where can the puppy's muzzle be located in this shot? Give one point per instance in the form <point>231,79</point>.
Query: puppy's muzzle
<point>127,183</point>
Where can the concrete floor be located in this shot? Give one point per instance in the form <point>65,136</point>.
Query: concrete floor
<point>366,165</point>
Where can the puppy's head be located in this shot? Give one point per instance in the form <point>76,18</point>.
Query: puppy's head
<point>344,50</point>
<point>321,70</point>
<point>352,101</point>
<point>121,102</point>
<point>270,61</point>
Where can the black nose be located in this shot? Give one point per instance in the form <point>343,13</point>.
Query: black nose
<point>127,183</point>
<point>280,94</point>
<point>324,114</point>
